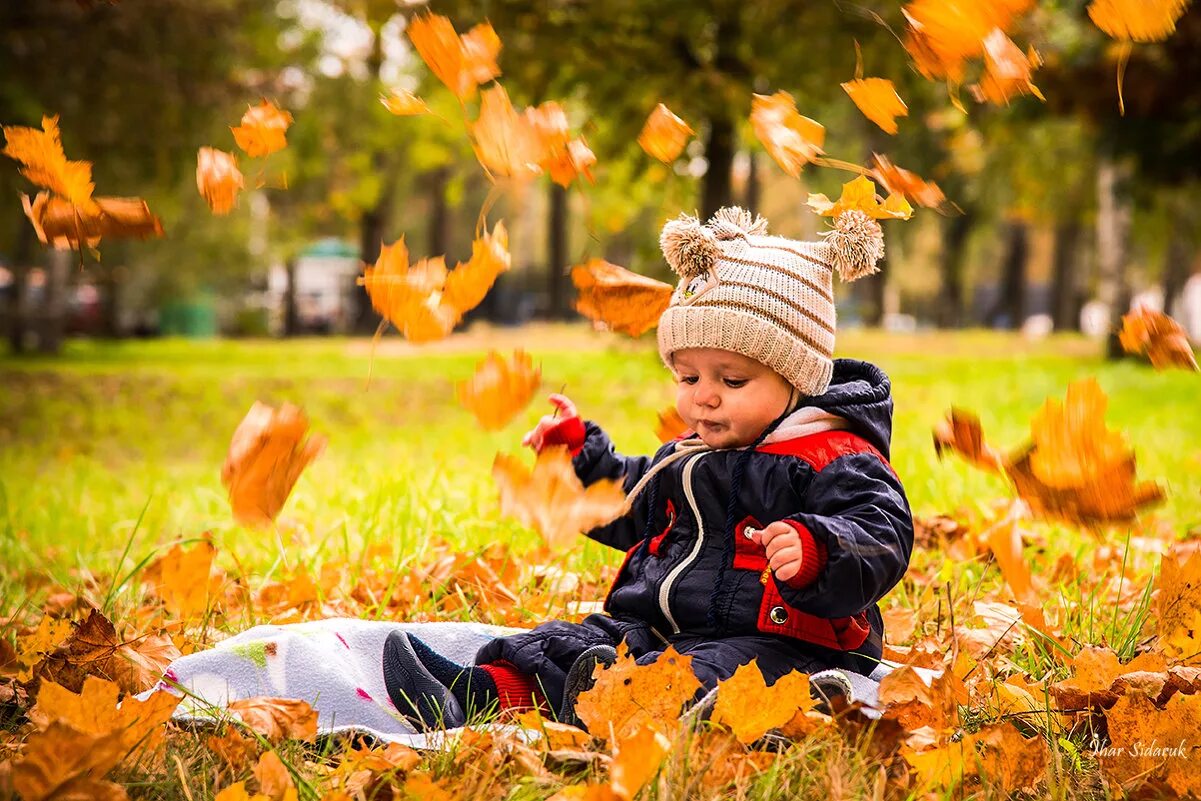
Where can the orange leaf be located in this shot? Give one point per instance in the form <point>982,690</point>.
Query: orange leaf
<point>33,647</point>
<point>792,140</point>
<point>878,100</point>
<point>671,425</point>
<point>263,130</point>
<point>470,281</point>
<point>460,63</point>
<point>404,103</point>
<point>410,297</point>
<point>622,300</point>
<point>500,388</point>
<point>749,707</point>
<point>1137,20</point>
<point>560,155</point>
<point>636,760</point>
<point>277,718</point>
<point>218,179</point>
<point>267,454</point>
<point>1178,604</point>
<point>64,763</point>
<point>46,165</point>
<point>1152,744</point>
<point>551,500</point>
<point>627,696</point>
<point>943,34</point>
<point>504,141</point>
<point>136,725</point>
<point>1158,337</point>
<point>62,225</point>
<point>1007,70</point>
<point>962,434</point>
<point>273,777</point>
<point>95,649</point>
<point>664,134</point>
<point>237,792</point>
<point>860,194</point>
<point>182,579</point>
<point>906,183</point>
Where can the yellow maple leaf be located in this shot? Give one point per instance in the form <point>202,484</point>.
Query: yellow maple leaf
<point>32,648</point>
<point>636,760</point>
<point>500,388</point>
<point>627,696</point>
<point>1137,20</point>
<point>790,139</point>
<point>664,134</point>
<point>182,579</point>
<point>95,710</point>
<point>750,708</point>
<point>470,281</point>
<point>505,142</point>
<point>877,98</point>
<point>46,165</point>
<point>860,194</point>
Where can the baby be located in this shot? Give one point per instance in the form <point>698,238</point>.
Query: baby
<point>767,532</point>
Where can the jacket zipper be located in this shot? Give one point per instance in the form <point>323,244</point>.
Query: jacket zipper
<point>675,572</point>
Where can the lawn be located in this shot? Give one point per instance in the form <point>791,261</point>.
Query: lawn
<point>112,452</point>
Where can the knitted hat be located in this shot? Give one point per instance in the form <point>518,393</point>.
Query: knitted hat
<point>769,298</point>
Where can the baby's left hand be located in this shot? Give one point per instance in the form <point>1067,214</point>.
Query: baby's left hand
<point>783,544</point>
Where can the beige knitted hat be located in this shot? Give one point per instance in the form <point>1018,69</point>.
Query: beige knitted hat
<point>769,298</point>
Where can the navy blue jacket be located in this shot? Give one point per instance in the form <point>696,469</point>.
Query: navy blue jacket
<point>686,574</point>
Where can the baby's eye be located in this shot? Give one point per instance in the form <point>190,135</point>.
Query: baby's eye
<point>735,383</point>
<point>688,379</point>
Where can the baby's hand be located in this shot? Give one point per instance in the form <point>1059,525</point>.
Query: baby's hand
<point>783,544</point>
<point>562,428</point>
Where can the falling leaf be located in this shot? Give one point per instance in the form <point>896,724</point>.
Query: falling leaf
<point>62,225</point>
<point>942,35</point>
<point>671,426</point>
<point>877,98</point>
<point>1137,20</point>
<point>750,708</point>
<point>636,760</point>
<point>961,433</point>
<point>64,763</point>
<point>551,500</point>
<point>462,63</point>
<point>46,165</point>
<point>268,452</point>
<point>627,696</point>
<point>277,718</point>
<point>1007,71</point>
<point>860,194</point>
<point>1147,743</point>
<point>404,103</point>
<point>1158,337</point>
<point>470,281</point>
<point>500,388</point>
<point>562,157</point>
<point>792,140</point>
<point>263,130</point>
<point>899,181</point>
<point>218,179</point>
<point>504,141</point>
<point>137,725</point>
<point>622,300</point>
<point>664,134</point>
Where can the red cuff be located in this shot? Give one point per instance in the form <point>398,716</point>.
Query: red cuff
<point>813,558</point>
<point>514,689</point>
<point>569,431</point>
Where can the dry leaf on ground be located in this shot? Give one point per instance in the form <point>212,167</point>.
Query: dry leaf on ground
<point>277,718</point>
<point>628,696</point>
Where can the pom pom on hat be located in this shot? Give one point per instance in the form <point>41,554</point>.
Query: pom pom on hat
<point>733,221</point>
<point>855,244</point>
<point>690,248</point>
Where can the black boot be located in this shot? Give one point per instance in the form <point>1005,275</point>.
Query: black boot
<point>579,680</point>
<point>417,695</point>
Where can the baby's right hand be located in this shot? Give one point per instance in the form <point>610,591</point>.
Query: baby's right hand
<point>562,428</point>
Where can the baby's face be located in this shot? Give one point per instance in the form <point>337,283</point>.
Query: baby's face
<point>725,397</point>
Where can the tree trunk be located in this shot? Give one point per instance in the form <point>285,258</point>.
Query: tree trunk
<point>1065,288</point>
<point>956,231</point>
<point>54,304</point>
<point>109,278</point>
<point>291,313</point>
<point>1176,262</point>
<point>719,151</point>
<point>754,186</point>
<point>439,228</point>
<point>556,255</point>
<point>1010,307</point>
<point>1114,216</point>
<point>18,304</point>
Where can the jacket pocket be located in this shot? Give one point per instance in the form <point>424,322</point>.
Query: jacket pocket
<point>778,617</point>
<point>656,544</point>
<point>748,554</point>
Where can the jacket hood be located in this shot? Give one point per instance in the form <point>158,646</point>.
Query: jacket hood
<point>861,394</point>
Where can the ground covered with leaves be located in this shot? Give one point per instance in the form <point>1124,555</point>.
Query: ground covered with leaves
<point>1066,650</point>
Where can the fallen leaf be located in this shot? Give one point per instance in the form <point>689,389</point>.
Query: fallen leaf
<point>182,578</point>
<point>273,777</point>
<point>94,649</point>
<point>860,194</point>
<point>33,647</point>
<point>664,134</point>
<point>60,224</point>
<point>550,498</point>
<point>269,450</point>
<point>136,725</point>
<point>627,696</point>
<point>1151,744</point>
<point>1095,674</point>
<point>276,718</point>
<point>218,179</point>
<point>462,63</point>
<point>624,301</point>
<point>750,708</point>
<point>237,792</point>
<point>64,763</point>
<point>263,130</point>
<point>500,388</point>
<point>404,103</point>
<point>636,760</point>
<point>671,426</point>
<point>1178,604</point>
<point>232,748</point>
<point>877,98</point>
<point>1155,335</point>
<point>1137,20</point>
<point>792,140</point>
<point>47,166</point>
